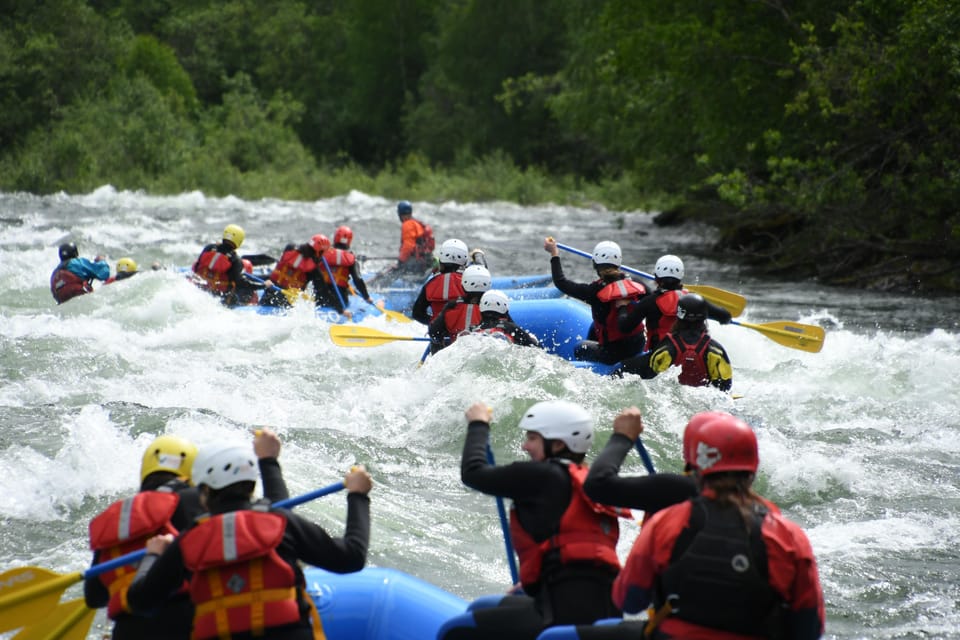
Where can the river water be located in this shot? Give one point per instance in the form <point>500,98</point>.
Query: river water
<point>860,443</point>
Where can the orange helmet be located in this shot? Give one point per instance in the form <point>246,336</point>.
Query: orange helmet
<point>343,235</point>
<point>320,243</point>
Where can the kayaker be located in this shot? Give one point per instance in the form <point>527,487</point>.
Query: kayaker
<point>658,311</point>
<point>495,320</point>
<point>612,289</point>
<point>463,314</point>
<point>253,586</point>
<point>565,543</point>
<point>702,360</point>
<point>723,564</point>
<point>74,275</point>
<point>443,286</point>
<point>166,503</point>
<point>219,269</point>
<point>344,266</point>
<point>126,268</point>
<point>416,243</point>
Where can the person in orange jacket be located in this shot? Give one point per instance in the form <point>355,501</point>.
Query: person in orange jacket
<point>343,266</point>
<point>416,242</point>
<point>723,565</point>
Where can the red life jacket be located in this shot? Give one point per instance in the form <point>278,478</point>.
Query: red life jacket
<point>495,329</point>
<point>623,289</point>
<point>462,319</point>
<point>292,270</point>
<point>240,583</point>
<point>214,268</point>
<point>64,284</point>
<point>442,288</point>
<point>692,360</point>
<point>125,526</point>
<point>667,303</point>
<point>588,532</point>
<point>425,241</point>
<point>341,263</point>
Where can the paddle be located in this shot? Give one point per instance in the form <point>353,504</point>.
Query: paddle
<point>333,283</point>
<point>259,259</point>
<point>292,295</point>
<point>732,302</point>
<point>505,527</point>
<point>29,594</point>
<point>354,336</point>
<point>644,456</point>
<point>70,620</point>
<point>805,337</point>
<point>389,314</point>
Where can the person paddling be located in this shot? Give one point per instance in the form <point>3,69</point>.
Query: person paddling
<point>463,314</point>
<point>219,269</point>
<point>74,275</point>
<point>443,286</point>
<point>495,320</point>
<point>242,561</point>
<point>343,266</point>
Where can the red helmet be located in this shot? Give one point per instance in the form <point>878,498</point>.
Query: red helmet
<point>320,243</point>
<point>247,266</point>
<point>343,235</point>
<point>726,443</point>
<point>691,431</point>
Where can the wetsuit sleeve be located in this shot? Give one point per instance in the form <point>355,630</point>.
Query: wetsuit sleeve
<point>274,486</point>
<point>718,313</point>
<point>526,481</point>
<point>157,577</point>
<point>650,493</point>
<point>438,329</point>
<point>95,594</point>
<point>420,306</point>
<point>719,370</point>
<point>662,357</point>
<point>523,337</point>
<point>793,574</point>
<point>633,314</point>
<point>313,545</point>
<point>577,290</point>
<point>360,285</point>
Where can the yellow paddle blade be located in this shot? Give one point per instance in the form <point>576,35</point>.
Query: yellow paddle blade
<point>27,594</point>
<point>69,621</point>
<point>354,336</point>
<point>805,337</point>
<point>396,316</point>
<point>732,302</point>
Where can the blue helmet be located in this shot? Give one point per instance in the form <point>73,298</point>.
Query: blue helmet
<point>404,207</point>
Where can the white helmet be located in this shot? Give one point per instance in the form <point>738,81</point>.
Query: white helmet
<point>219,466</point>
<point>669,266</point>
<point>494,300</point>
<point>607,252</point>
<point>453,252</point>
<point>560,420</point>
<point>476,278</point>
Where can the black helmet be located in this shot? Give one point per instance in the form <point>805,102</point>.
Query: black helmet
<point>68,250</point>
<point>404,207</point>
<point>692,308</point>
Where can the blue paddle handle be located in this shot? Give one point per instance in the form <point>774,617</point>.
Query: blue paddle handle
<point>426,352</point>
<point>505,527</point>
<point>333,283</point>
<point>644,456</point>
<point>135,556</point>
<point>635,272</point>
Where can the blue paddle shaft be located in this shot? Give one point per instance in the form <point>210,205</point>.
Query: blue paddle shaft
<point>505,527</point>
<point>135,556</point>
<point>635,272</point>
<point>644,456</point>
<point>333,283</point>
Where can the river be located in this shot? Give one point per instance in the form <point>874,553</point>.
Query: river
<point>859,443</point>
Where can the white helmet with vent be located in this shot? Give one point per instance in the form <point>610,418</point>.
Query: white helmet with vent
<point>560,420</point>
<point>453,252</point>
<point>607,252</point>
<point>476,278</point>
<point>669,266</point>
<point>223,465</point>
<point>494,300</point>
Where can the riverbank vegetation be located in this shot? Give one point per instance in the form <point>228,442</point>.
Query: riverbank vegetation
<point>820,139</point>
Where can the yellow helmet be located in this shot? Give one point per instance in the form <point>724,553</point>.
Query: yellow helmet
<point>168,453</point>
<point>234,234</point>
<point>126,265</point>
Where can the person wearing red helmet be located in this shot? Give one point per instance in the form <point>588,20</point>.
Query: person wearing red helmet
<point>342,266</point>
<point>722,565</point>
<point>298,266</point>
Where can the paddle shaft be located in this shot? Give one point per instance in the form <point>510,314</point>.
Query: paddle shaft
<point>644,456</point>
<point>505,527</point>
<point>134,556</point>
<point>333,283</point>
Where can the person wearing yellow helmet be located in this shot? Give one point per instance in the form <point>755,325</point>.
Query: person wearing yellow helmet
<point>166,503</point>
<point>126,268</point>
<point>219,269</point>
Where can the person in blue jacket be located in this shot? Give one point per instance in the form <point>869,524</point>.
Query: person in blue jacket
<point>74,275</point>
